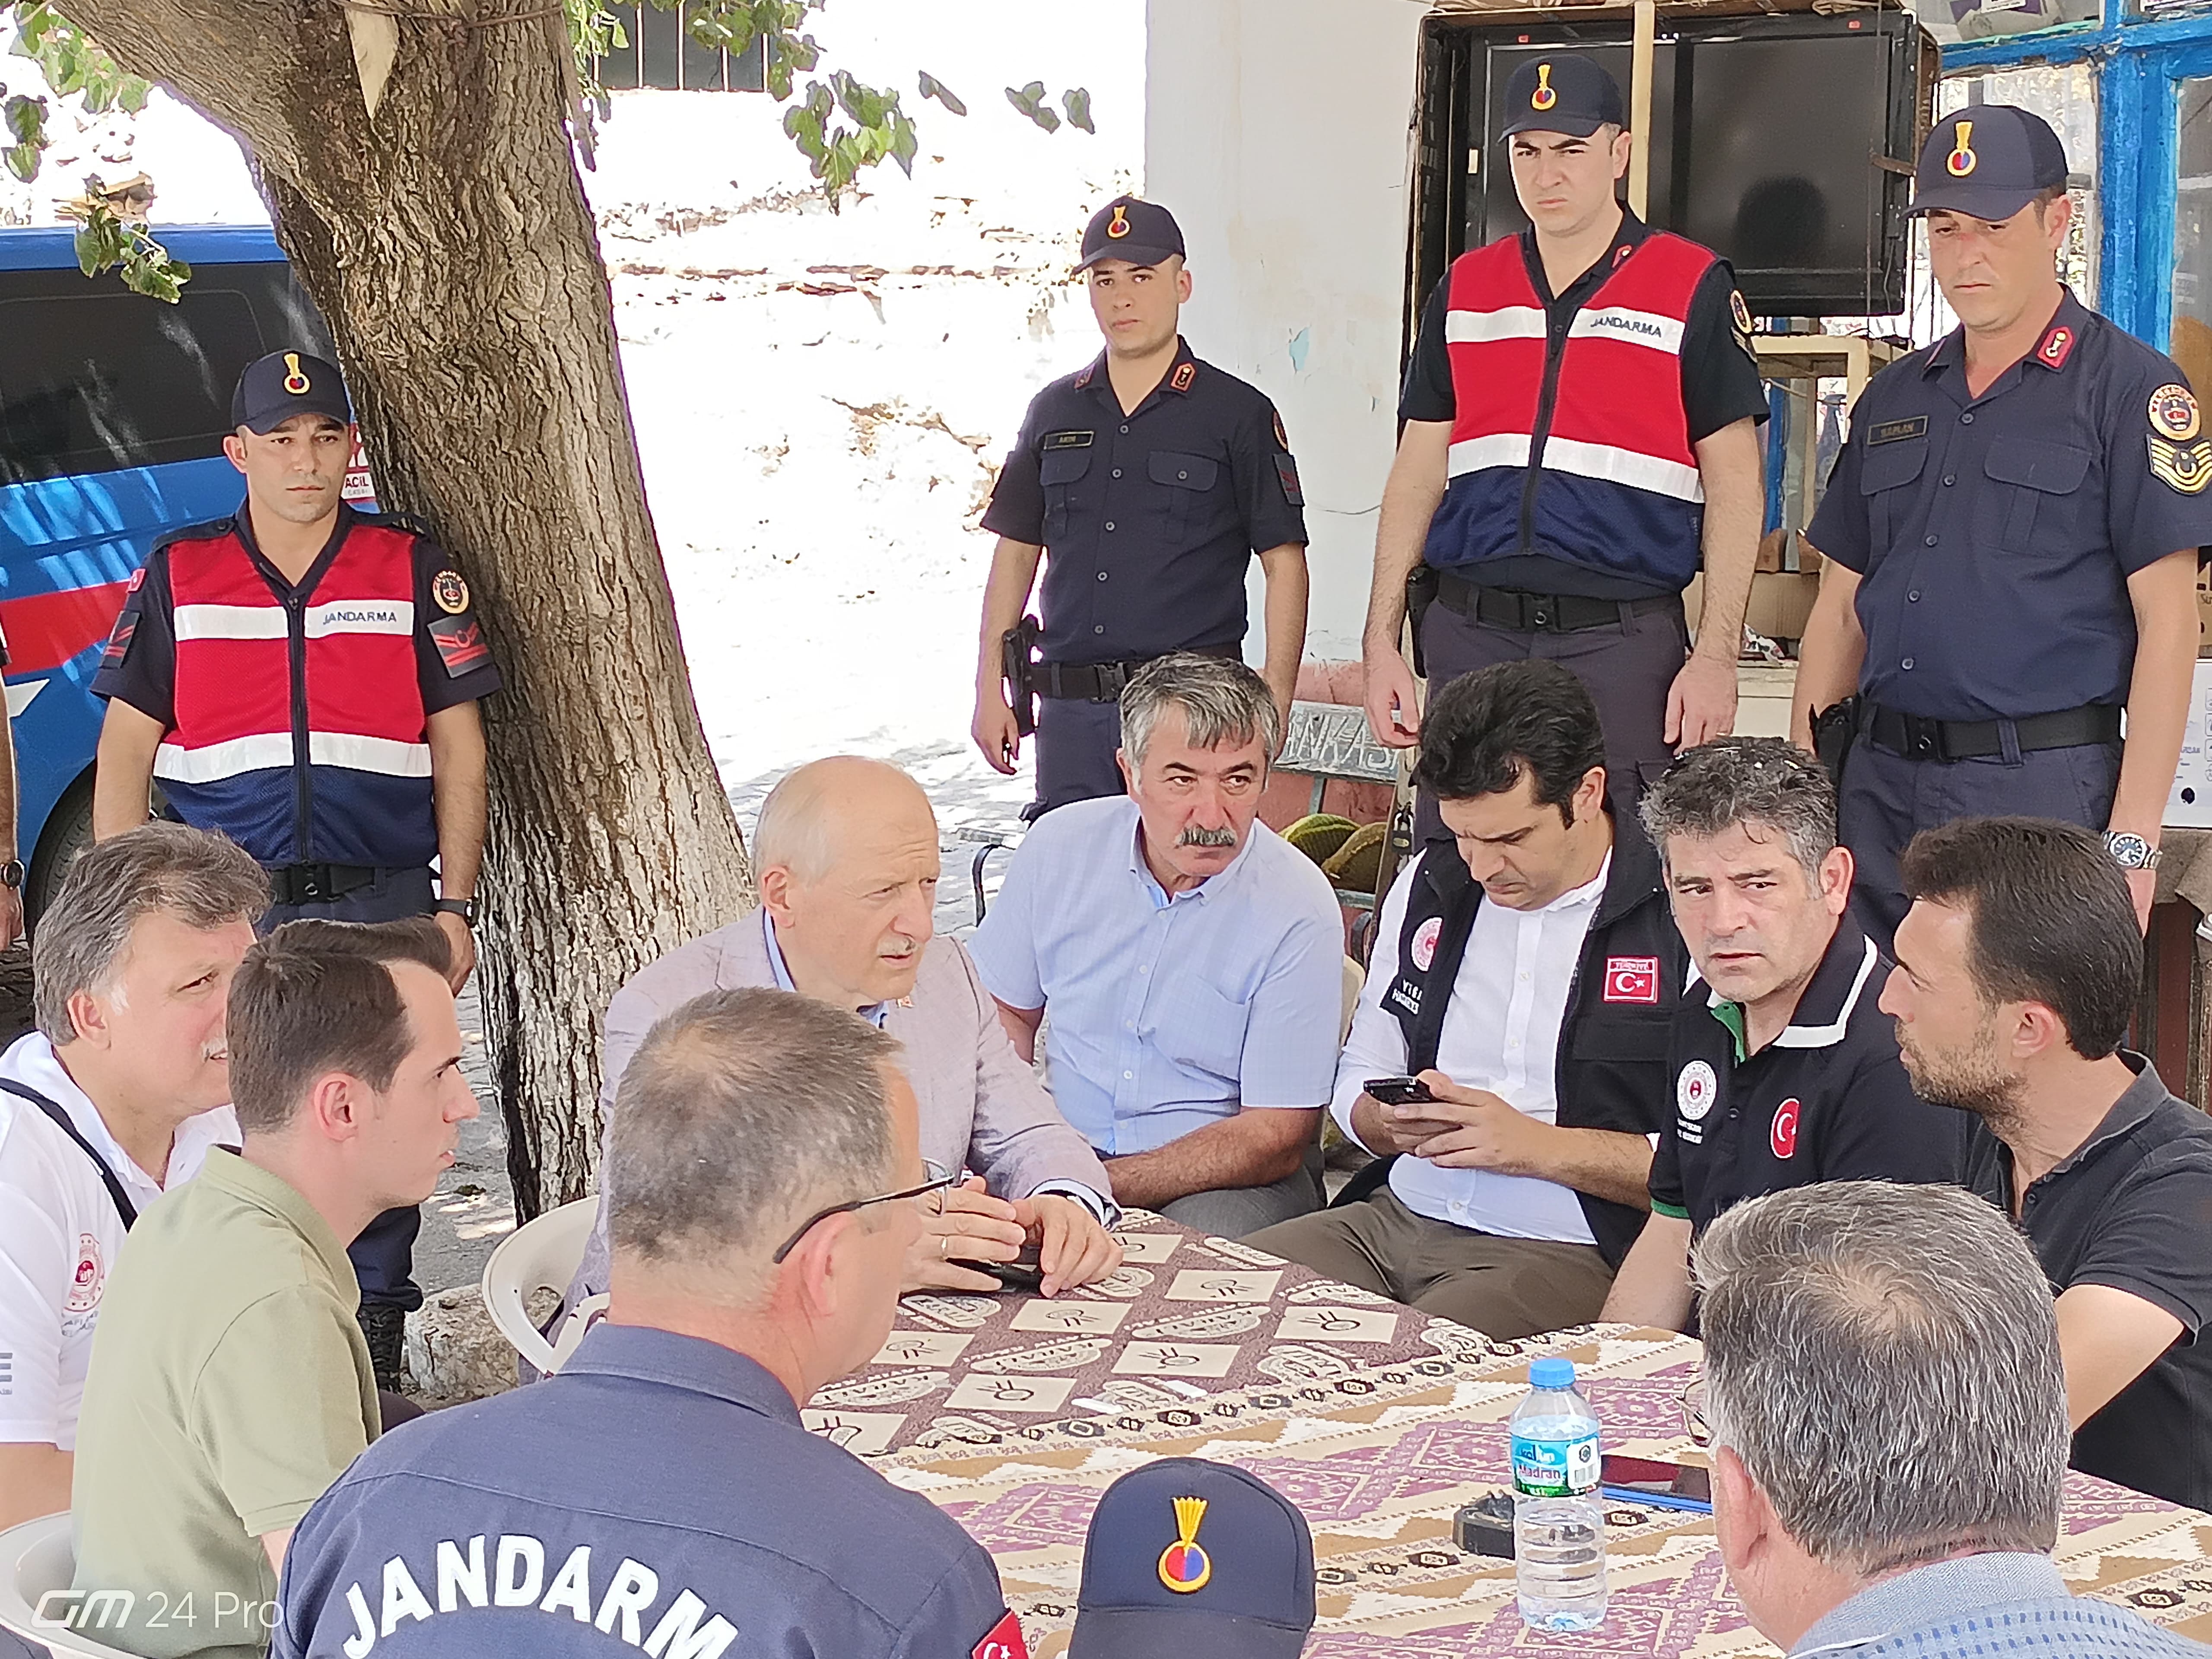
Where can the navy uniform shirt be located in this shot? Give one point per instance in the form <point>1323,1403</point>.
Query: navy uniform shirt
<point>2132,1209</point>
<point>1993,536</point>
<point>659,1493</point>
<point>1148,519</point>
<point>1720,386</point>
<point>1827,1100</point>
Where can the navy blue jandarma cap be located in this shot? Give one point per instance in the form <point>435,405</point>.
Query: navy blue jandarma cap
<point>1189,1556</point>
<point>1987,160</point>
<point>1143,232</point>
<point>1561,92</point>
<point>284,384</point>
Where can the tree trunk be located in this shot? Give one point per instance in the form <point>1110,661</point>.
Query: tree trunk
<point>449,245</point>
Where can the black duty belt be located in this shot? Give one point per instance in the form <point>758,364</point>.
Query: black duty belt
<point>1102,681</point>
<point>316,884</point>
<point>1541,613</point>
<point>1916,737</point>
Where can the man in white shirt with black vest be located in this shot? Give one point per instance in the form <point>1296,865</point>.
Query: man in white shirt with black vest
<point>1527,977</point>
<point>115,1097</point>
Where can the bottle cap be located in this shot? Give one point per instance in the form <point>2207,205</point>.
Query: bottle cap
<point>1551,1373</point>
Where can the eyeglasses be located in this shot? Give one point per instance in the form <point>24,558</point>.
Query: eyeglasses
<point>939,1179</point>
<point>1692,1402</point>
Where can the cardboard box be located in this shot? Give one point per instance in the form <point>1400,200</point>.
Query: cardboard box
<point>1781,602</point>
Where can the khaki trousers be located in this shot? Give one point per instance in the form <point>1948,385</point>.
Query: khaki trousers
<point>1504,1287</point>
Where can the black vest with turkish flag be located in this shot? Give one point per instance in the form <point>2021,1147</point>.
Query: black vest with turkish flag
<point>1611,1069</point>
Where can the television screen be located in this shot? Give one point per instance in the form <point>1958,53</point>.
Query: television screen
<point>1768,139</point>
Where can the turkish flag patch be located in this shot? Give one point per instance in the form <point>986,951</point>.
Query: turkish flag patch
<point>1631,979</point>
<point>1005,1641</point>
<point>1784,1137</point>
<point>460,644</point>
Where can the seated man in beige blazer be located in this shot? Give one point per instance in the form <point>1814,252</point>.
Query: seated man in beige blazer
<point>847,858</point>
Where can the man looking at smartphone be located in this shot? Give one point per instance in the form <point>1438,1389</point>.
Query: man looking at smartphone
<point>1784,1072</point>
<point>1526,976</point>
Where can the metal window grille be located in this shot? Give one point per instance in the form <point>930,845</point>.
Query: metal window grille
<point>662,54</point>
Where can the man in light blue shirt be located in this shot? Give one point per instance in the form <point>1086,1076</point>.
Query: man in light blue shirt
<point>1884,1404</point>
<point>1190,958</point>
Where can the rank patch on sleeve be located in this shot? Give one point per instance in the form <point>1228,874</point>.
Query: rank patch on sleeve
<point>1287,470</point>
<point>118,640</point>
<point>2185,467</point>
<point>461,645</point>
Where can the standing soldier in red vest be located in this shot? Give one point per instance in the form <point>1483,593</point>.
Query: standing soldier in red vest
<point>304,678</point>
<point>1580,422</point>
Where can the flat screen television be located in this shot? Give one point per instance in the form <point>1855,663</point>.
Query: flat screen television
<point>1782,142</point>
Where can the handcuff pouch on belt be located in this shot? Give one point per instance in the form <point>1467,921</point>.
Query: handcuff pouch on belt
<point>1017,656</point>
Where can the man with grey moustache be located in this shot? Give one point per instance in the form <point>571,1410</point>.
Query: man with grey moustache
<point>1189,957</point>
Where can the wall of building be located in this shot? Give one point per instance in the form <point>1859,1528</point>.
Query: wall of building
<point>1277,130</point>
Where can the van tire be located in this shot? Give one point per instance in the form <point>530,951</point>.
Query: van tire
<point>68,832</point>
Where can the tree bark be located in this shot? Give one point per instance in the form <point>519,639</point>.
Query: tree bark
<point>450,248</point>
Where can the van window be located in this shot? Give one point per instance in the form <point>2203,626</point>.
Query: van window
<point>93,377</point>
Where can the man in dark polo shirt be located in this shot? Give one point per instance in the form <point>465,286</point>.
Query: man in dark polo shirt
<point>2016,973</point>
<point>1785,1073</point>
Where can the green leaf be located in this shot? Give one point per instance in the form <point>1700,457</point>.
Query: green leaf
<point>1076,100</point>
<point>21,160</point>
<point>933,87</point>
<point>1030,101</point>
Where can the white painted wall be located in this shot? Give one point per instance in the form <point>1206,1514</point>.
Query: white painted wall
<point>1277,132</point>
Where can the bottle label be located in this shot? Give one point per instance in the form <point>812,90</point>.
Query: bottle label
<point>1555,1468</point>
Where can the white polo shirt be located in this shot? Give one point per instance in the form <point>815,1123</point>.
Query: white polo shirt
<point>59,1233</point>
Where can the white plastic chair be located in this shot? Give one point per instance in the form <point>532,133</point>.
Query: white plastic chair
<point>545,1252</point>
<point>1355,982</point>
<point>35,1562</point>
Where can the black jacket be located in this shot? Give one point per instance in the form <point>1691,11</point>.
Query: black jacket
<point>1612,1065</point>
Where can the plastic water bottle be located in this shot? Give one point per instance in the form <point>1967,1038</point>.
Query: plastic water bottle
<point>1559,1520</point>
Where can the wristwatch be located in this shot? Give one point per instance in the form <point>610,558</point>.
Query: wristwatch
<point>11,873</point>
<point>2130,850</point>
<point>464,909</point>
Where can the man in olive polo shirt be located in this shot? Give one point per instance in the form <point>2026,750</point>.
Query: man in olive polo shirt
<point>229,1383</point>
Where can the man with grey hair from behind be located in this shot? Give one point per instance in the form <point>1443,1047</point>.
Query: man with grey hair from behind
<point>115,1097</point>
<point>1785,1071</point>
<point>1190,959</point>
<point>764,1178</point>
<point>1885,1409</point>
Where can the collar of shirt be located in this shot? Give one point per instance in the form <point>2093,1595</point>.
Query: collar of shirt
<point>1825,1005</point>
<point>1219,882</point>
<point>1176,382</point>
<point>260,1188</point>
<point>31,1061</point>
<point>644,1354</point>
<point>2137,1101</point>
<point>1949,355</point>
<point>1632,234</point>
<point>1944,1590</point>
<point>242,522</point>
<point>875,1014</point>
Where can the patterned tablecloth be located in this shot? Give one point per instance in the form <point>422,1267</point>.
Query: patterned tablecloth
<point>1014,1413</point>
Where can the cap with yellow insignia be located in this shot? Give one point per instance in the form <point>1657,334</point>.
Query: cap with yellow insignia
<point>1561,92</point>
<point>1185,1555</point>
<point>275,388</point>
<point>1127,228</point>
<point>1988,161</point>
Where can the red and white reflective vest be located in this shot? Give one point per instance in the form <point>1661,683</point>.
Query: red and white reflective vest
<point>299,726</point>
<point>1578,448</point>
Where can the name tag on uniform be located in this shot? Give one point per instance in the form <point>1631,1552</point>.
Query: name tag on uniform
<point>1890,431</point>
<point>1082,440</point>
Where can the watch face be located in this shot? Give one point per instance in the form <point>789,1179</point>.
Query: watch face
<point>2130,851</point>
